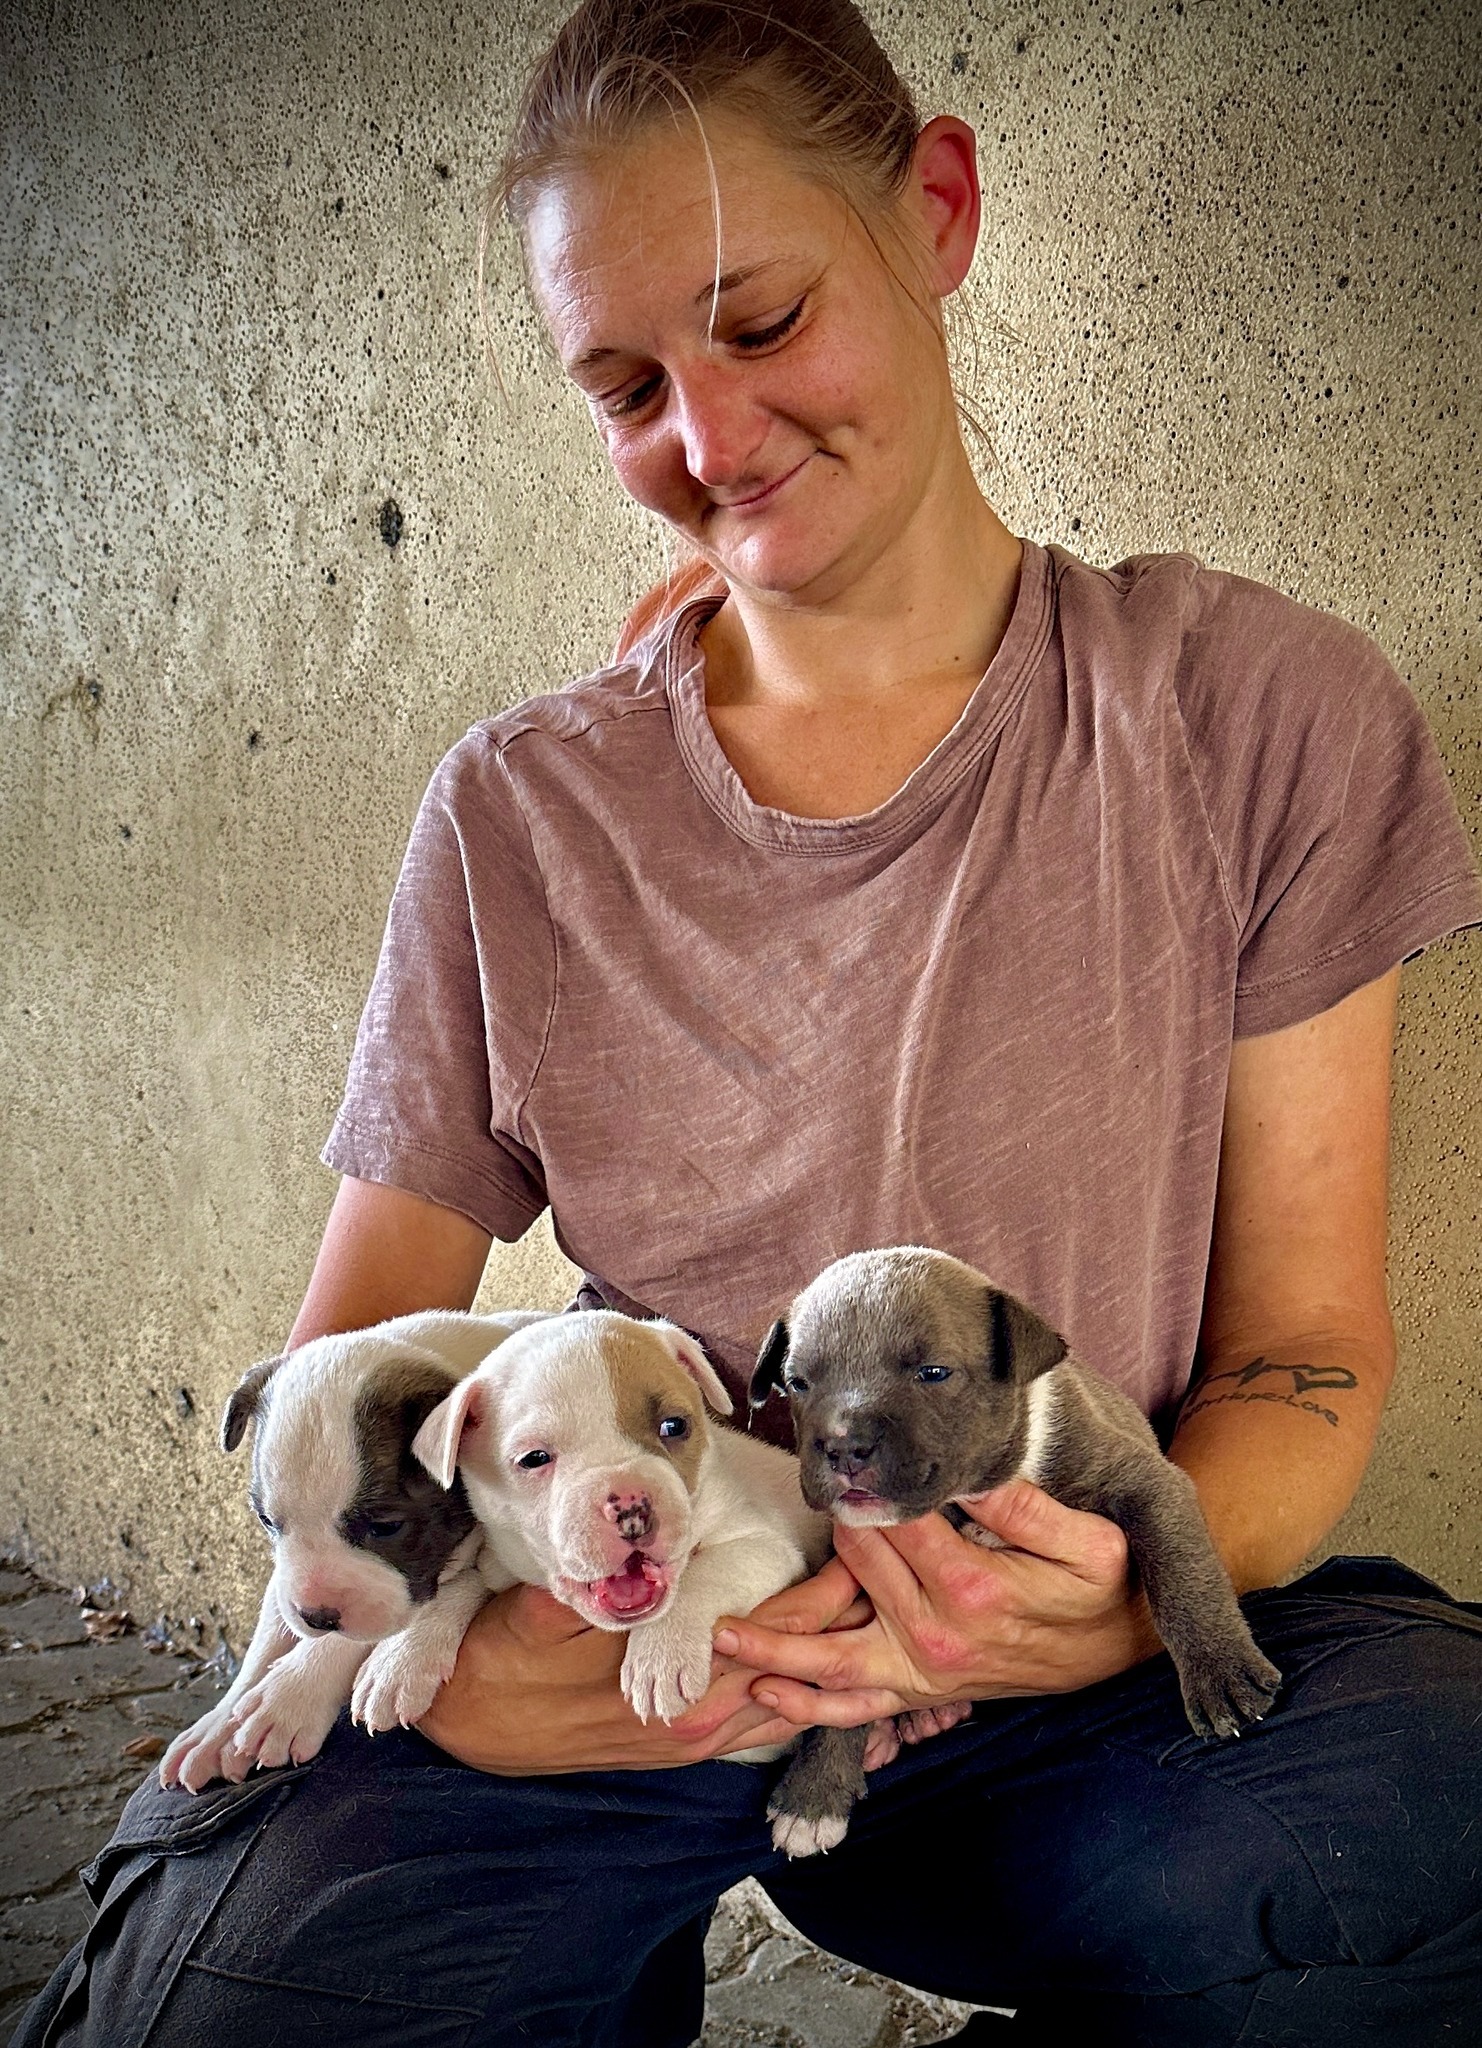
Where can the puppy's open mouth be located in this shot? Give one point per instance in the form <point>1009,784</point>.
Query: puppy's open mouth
<point>632,1593</point>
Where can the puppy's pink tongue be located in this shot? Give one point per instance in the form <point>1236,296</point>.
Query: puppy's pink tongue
<point>637,1587</point>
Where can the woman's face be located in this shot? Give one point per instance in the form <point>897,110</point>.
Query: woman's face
<point>794,442</point>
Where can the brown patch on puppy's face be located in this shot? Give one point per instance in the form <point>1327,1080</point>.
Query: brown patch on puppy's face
<point>657,1404</point>
<point>399,1513</point>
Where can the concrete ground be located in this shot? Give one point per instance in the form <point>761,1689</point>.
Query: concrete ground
<point>88,1700</point>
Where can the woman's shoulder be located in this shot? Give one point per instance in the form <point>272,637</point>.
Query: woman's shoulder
<point>1222,641</point>
<point>501,748</point>
<point>1181,604</point>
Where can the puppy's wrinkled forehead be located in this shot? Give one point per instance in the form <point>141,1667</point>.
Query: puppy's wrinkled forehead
<point>398,1395</point>
<point>888,1307</point>
<point>339,1423</point>
<point>647,1385</point>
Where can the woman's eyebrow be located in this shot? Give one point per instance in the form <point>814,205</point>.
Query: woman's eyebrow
<point>731,280</point>
<point>728,281</point>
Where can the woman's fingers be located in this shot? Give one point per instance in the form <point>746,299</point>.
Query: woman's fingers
<point>812,1605</point>
<point>1025,1518</point>
<point>804,1706</point>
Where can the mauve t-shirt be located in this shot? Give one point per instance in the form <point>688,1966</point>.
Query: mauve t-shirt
<point>727,1044</point>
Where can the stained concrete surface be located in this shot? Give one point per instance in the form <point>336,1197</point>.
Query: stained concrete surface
<point>270,539</point>
<point>81,1720</point>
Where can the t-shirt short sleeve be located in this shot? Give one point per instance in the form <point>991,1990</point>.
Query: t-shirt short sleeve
<point>455,1021</point>
<point>1337,834</point>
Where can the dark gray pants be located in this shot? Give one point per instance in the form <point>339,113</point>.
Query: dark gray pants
<point>1085,1859</point>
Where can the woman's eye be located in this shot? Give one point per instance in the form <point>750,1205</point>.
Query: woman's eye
<point>673,1427</point>
<point>792,1386</point>
<point>533,1460</point>
<point>933,1375</point>
<point>631,401</point>
<point>763,337</point>
<point>383,1531</point>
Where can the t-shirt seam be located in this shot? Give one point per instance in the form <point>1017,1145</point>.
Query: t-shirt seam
<point>357,1127</point>
<point>1205,813</point>
<point>1401,911</point>
<point>611,714</point>
<point>545,1040</point>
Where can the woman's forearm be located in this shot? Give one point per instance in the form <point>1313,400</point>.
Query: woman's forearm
<point>1276,1437</point>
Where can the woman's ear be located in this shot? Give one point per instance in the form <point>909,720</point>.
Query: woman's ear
<point>946,200</point>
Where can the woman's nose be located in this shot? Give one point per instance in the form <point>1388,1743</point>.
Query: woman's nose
<point>721,426</point>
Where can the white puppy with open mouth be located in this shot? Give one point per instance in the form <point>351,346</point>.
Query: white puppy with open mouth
<point>594,1471</point>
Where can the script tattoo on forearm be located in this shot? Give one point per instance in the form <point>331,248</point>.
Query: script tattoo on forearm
<point>1302,1380</point>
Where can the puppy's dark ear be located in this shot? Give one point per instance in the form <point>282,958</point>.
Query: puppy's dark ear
<point>1021,1345</point>
<point>246,1401</point>
<point>771,1361</point>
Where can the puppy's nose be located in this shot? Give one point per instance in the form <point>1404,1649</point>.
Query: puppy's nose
<point>849,1451</point>
<point>632,1512</point>
<point>323,1619</point>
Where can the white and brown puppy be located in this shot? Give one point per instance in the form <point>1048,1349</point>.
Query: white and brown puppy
<point>915,1383</point>
<point>595,1472</point>
<point>373,1575</point>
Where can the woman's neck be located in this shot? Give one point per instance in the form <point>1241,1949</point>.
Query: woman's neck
<point>932,609</point>
<point>824,710</point>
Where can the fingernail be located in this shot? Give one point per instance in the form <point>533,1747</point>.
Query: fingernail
<point>767,1699</point>
<point>727,1642</point>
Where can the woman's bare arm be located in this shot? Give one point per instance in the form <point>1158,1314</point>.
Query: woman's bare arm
<point>387,1253</point>
<point>1296,1353</point>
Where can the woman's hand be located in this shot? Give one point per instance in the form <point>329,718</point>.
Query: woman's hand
<point>536,1690</point>
<point>1052,1612</point>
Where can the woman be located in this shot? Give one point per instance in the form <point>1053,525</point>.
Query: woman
<point>909,882</point>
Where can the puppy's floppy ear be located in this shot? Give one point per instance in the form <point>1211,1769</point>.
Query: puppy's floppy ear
<point>437,1444</point>
<point>686,1351</point>
<point>766,1378</point>
<point>246,1401</point>
<point>1021,1344</point>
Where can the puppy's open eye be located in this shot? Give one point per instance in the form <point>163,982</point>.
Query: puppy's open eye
<point>674,1427</point>
<point>383,1531</point>
<point>794,1386</point>
<point>267,1521</point>
<point>533,1460</point>
<point>933,1375</point>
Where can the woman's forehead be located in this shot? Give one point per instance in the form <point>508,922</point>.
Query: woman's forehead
<point>630,233</point>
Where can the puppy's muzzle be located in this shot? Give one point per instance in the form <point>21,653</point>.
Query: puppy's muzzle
<point>322,1620</point>
<point>849,1451</point>
<point>632,1513</point>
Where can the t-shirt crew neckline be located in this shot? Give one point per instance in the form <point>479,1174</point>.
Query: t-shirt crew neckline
<point>983,717</point>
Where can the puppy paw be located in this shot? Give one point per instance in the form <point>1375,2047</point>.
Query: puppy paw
<point>283,1719</point>
<point>196,1754</point>
<point>1225,1693</point>
<point>883,1743</point>
<point>666,1668</point>
<point>396,1685</point>
<point>795,1835</point>
<point>924,1722</point>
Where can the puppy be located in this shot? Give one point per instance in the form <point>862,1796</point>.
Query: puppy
<point>916,1383</point>
<point>367,1551</point>
<point>594,1471</point>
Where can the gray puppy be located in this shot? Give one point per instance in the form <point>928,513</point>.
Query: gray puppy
<point>916,1383</point>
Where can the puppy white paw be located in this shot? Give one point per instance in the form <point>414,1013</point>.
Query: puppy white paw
<point>282,1719</point>
<point>195,1755</point>
<point>666,1668</point>
<point>795,1836</point>
<point>396,1685</point>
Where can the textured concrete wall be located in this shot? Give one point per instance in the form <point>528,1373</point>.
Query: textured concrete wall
<point>1227,301</point>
